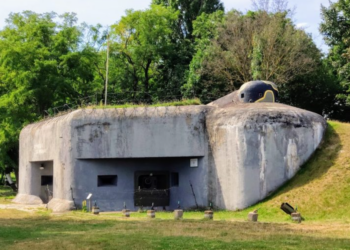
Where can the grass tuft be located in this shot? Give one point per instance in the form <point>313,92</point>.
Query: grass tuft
<point>184,102</point>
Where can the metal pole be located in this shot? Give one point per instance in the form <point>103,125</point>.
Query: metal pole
<point>106,85</point>
<point>194,196</point>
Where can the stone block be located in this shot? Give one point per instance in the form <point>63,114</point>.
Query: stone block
<point>253,216</point>
<point>95,210</point>
<point>178,214</point>
<point>126,212</point>
<point>296,217</point>
<point>151,214</point>
<point>209,214</point>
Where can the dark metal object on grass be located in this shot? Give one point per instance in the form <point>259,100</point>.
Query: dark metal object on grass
<point>288,209</point>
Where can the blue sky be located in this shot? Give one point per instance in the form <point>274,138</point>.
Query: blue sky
<point>107,12</point>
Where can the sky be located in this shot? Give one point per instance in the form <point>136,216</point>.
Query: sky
<point>107,12</point>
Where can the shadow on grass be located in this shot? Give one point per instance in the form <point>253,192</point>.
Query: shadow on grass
<point>6,193</point>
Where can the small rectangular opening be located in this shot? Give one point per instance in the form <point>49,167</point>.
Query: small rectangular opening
<point>107,180</point>
<point>174,179</point>
<point>46,180</point>
<point>242,95</point>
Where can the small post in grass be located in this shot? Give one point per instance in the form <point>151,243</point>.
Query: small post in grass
<point>296,217</point>
<point>253,216</point>
<point>178,213</point>
<point>95,209</point>
<point>126,212</point>
<point>209,214</point>
<point>151,213</point>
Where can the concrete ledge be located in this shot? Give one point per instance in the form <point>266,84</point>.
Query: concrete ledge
<point>27,199</point>
<point>60,205</point>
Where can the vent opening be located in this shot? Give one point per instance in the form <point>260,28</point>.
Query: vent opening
<point>107,180</point>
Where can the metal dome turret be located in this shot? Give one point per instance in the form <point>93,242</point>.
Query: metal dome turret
<point>258,91</point>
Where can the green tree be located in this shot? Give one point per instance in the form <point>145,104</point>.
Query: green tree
<point>175,64</point>
<point>257,45</point>
<point>42,65</point>
<point>336,30</point>
<point>205,30</point>
<point>140,40</point>
<point>316,92</point>
<point>189,11</point>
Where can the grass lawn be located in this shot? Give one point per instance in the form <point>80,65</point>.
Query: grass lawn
<point>321,190</point>
<point>77,230</point>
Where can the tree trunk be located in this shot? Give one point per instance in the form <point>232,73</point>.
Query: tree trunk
<point>146,83</point>
<point>17,176</point>
<point>2,177</point>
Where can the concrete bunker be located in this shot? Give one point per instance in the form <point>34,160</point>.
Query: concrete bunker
<point>230,153</point>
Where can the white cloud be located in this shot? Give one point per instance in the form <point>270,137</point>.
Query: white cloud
<point>302,25</point>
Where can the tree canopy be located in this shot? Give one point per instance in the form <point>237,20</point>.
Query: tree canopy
<point>141,40</point>
<point>42,65</point>
<point>336,30</point>
<point>252,46</point>
<point>189,10</point>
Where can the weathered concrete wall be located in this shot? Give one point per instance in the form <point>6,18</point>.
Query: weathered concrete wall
<point>111,198</point>
<point>139,132</point>
<point>47,141</point>
<point>256,148</point>
<point>161,132</point>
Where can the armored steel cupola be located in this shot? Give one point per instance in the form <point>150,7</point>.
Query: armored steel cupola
<point>258,91</point>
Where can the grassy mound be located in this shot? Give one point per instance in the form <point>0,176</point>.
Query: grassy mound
<point>183,102</point>
<point>321,189</point>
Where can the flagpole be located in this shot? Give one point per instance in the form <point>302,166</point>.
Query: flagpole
<point>106,84</point>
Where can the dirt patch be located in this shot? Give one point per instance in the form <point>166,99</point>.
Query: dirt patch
<point>22,207</point>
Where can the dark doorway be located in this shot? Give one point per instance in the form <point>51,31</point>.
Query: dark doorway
<point>42,180</point>
<point>46,180</point>
<point>152,187</point>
